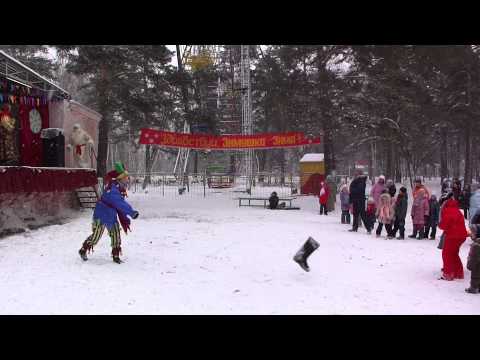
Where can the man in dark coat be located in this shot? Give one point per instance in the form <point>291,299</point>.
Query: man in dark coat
<point>357,199</point>
<point>432,221</point>
<point>401,205</point>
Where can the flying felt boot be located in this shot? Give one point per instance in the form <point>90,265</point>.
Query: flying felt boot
<point>305,251</point>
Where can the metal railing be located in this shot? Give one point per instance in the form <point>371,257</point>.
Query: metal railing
<point>203,185</point>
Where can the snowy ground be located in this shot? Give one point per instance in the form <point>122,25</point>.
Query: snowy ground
<point>208,256</point>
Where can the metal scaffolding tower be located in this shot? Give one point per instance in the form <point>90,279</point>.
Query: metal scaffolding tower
<point>228,94</point>
<point>247,124</point>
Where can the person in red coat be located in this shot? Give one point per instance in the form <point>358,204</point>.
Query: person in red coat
<point>453,225</point>
<point>323,197</point>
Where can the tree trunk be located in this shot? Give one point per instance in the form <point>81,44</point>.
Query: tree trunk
<point>282,167</point>
<point>195,162</point>
<point>327,146</point>
<point>262,162</point>
<point>456,165</point>
<point>103,131</point>
<point>147,179</point>
<point>410,174</point>
<point>150,155</point>
<point>398,169</point>
<point>183,84</point>
<point>475,147</point>
<point>232,164</point>
<point>443,154</point>
<point>371,160</point>
<point>389,160</point>
<point>468,165</point>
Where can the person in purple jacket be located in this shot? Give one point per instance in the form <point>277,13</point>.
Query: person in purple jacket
<point>345,203</point>
<point>111,204</point>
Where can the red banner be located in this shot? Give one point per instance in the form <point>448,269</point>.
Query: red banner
<point>226,142</point>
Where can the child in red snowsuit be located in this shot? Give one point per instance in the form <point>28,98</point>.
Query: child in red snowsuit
<point>323,197</point>
<point>453,225</point>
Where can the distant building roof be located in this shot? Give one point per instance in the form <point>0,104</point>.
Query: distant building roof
<point>312,157</point>
<point>18,72</point>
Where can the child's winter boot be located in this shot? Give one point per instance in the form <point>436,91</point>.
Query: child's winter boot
<point>116,254</point>
<point>86,247</point>
<point>471,290</point>
<point>305,251</point>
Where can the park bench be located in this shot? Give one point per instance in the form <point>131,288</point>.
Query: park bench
<point>263,200</point>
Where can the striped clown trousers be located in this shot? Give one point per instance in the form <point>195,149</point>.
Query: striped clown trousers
<point>97,231</point>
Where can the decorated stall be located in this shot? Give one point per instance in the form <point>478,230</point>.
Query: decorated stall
<point>42,130</point>
<point>312,172</point>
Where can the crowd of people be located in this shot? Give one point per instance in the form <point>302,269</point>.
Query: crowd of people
<point>384,205</point>
<point>388,208</point>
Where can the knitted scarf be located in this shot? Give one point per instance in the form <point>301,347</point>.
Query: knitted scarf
<point>124,220</point>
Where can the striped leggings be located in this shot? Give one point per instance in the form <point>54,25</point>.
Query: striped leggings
<point>97,231</point>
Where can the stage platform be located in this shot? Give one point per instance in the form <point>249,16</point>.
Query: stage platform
<point>25,179</point>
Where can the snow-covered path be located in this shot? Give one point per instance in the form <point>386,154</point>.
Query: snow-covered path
<point>208,256</point>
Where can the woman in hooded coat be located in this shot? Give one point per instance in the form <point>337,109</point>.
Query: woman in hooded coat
<point>420,211</point>
<point>377,190</point>
<point>453,225</point>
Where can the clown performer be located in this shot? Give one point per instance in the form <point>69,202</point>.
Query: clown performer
<point>82,145</point>
<point>111,204</point>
